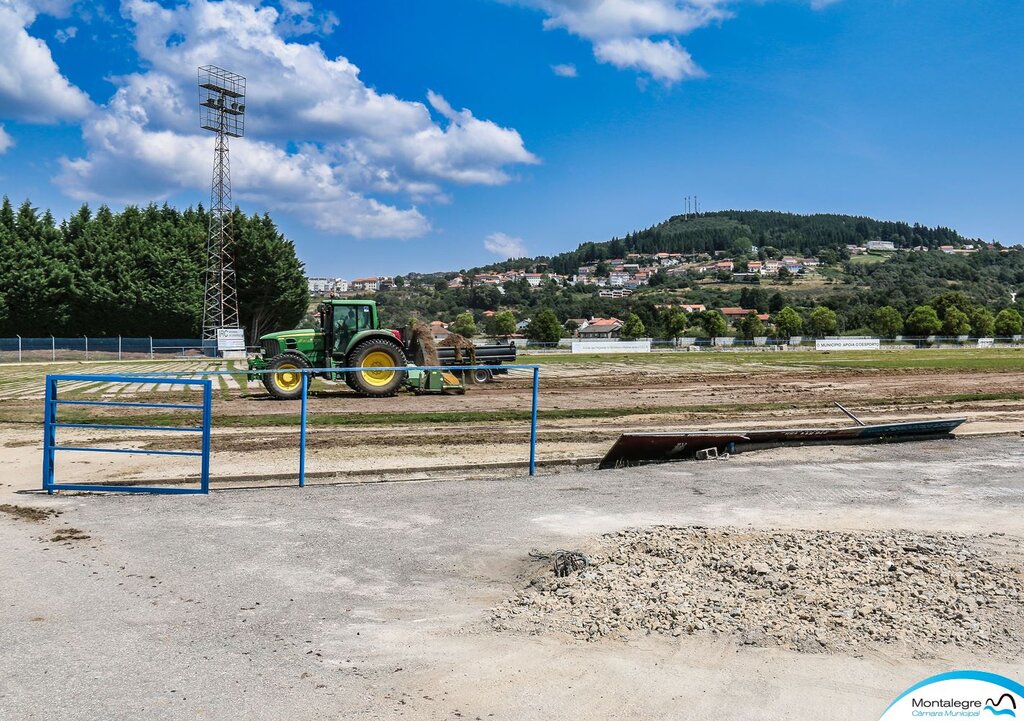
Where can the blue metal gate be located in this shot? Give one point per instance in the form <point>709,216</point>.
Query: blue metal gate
<point>51,423</point>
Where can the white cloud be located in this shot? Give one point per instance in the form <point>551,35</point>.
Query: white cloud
<point>32,87</point>
<point>637,34</point>
<point>62,35</point>
<point>320,143</point>
<point>564,70</point>
<point>664,60</point>
<point>642,35</point>
<point>595,19</point>
<point>300,18</point>
<point>6,141</point>
<point>506,246</point>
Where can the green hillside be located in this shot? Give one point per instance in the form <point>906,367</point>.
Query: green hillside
<point>733,230</point>
<point>979,279</point>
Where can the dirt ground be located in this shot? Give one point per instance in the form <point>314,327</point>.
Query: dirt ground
<point>583,407</point>
<point>373,601</point>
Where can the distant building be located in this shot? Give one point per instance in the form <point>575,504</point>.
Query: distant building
<point>370,284</point>
<point>685,307</point>
<point>439,330</point>
<point>323,286</point>
<point>734,315</point>
<point>617,279</point>
<point>880,245</point>
<point>615,292</point>
<point>319,286</point>
<point>601,328</point>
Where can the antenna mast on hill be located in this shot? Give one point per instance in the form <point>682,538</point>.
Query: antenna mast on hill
<point>221,111</point>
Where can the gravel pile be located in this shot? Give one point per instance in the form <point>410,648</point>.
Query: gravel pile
<point>811,591</point>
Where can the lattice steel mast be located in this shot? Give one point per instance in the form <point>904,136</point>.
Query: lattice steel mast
<point>222,111</point>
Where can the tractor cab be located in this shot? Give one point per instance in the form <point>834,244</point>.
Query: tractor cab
<point>341,321</point>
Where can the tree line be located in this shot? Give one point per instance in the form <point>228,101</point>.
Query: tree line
<point>138,272</point>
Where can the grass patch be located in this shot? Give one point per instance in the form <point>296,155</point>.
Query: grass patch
<point>869,258</point>
<point>69,534</point>
<point>1009,359</point>
<point>27,513</point>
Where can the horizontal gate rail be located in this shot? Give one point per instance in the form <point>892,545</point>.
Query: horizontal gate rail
<point>129,404</point>
<point>308,373</point>
<point>51,424</point>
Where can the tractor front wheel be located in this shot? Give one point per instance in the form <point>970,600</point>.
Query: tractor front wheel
<point>376,353</point>
<point>285,385</point>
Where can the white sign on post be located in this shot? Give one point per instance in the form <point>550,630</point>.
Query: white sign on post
<point>230,339</point>
<point>986,342</point>
<point>847,344</point>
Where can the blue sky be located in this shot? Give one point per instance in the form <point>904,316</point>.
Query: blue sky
<point>386,136</point>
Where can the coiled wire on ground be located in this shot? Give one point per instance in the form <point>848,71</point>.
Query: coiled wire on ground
<point>563,562</point>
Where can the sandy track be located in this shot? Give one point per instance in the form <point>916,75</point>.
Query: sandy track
<point>372,602</point>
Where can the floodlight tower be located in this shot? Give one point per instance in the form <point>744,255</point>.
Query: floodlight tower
<point>221,111</point>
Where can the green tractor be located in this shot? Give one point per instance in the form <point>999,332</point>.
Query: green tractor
<point>350,336</point>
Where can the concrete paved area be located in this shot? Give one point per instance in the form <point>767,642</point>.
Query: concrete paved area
<point>370,602</point>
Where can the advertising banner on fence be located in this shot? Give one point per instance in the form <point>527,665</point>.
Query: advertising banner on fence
<point>986,342</point>
<point>847,344</point>
<point>612,346</point>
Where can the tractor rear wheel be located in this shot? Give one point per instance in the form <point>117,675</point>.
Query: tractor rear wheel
<point>286,385</point>
<point>376,353</point>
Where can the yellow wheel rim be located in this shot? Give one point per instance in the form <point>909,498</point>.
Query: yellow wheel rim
<point>378,359</point>
<point>287,381</point>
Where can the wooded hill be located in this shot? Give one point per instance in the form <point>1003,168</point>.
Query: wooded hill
<point>853,288</point>
<point>734,231</point>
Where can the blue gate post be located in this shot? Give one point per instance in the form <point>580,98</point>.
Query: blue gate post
<point>207,403</point>
<point>533,423</point>
<point>49,437</point>
<point>302,432</point>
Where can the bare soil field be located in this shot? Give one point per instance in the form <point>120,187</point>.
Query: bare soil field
<point>583,407</point>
